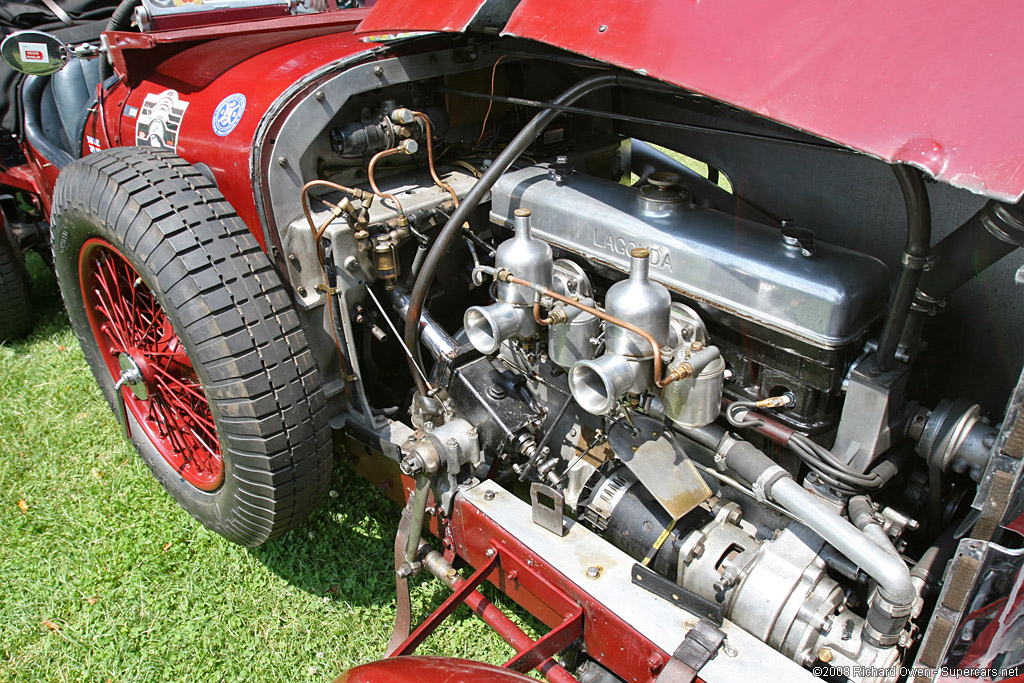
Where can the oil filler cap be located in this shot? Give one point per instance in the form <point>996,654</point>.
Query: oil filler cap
<point>798,239</point>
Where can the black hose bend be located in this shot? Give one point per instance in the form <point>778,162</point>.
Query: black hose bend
<point>452,229</point>
<point>120,20</point>
<point>915,257</point>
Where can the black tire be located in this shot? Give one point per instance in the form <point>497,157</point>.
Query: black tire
<point>16,318</point>
<point>234,320</point>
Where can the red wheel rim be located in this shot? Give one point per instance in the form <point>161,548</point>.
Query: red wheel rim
<point>168,402</point>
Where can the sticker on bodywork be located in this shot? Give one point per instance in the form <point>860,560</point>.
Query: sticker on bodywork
<point>160,120</point>
<point>228,113</point>
<point>93,144</point>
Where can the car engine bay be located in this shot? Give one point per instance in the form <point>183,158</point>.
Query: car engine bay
<point>558,308</point>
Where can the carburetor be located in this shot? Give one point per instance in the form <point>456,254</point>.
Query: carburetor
<point>626,366</point>
<point>511,316</point>
<point>653,349</point>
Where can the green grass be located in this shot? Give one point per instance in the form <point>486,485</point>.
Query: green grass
<point>103,578</point>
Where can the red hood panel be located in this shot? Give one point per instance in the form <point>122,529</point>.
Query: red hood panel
<point>933,85</point>
<point>913,81</point>
<point>389,16</point>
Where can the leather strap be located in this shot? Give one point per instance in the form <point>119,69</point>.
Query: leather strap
<point>403,606</point>
<point>696,650</point>
<point>59,12</point>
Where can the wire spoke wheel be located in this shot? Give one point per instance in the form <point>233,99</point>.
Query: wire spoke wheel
<point>168,402</point>
<point>183,318</point>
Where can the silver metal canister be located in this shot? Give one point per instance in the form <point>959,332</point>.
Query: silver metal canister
<point>571,341</point>
<point>695,402</point>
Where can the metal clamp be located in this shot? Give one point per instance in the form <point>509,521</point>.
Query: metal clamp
<point>915,262</point>
<point>762,487</point>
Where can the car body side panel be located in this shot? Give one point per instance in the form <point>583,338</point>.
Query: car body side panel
<point>204,78</point>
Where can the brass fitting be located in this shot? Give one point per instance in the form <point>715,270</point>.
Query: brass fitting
<point>775,401</point>
<point>386,263</point>
<point>557,315</point>
<point>684,371</point>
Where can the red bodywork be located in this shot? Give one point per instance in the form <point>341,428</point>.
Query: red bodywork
<point>429,669</point>
<point>908,83</point>
<point>912,82</point>
<point>262,60</point>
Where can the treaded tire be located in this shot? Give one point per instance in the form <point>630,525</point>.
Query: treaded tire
<point>233,318</point>
<point>16,317</point>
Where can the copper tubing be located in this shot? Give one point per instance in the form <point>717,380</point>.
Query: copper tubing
<point>373,184</point>
<point>430,156</point>
<point>660,382</point>
<point>317,234</point>
<point>490,104</point>
<point>536,316</point>
<point>304,194</point>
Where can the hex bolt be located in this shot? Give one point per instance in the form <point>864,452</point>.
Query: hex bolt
<point>488,495</point>
<point>301,290</point>
<point>351,264</point>
<point>320,96</point>
<point>490,552</point>
<point>825,655</point>
<point>282,161</point>
<point>593,572</point>
<point>378,71</point>
<point>292,258</point>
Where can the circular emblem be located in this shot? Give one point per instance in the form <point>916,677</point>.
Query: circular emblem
<point>228,113</point>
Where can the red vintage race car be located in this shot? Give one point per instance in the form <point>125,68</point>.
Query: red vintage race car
<point>690,326</point>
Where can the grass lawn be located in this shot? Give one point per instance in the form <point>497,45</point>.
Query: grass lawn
<point>105,579</point>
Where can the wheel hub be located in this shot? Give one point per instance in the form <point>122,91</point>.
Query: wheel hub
<point>131,376</point>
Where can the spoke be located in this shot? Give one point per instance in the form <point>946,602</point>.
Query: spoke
<point>202,442</point>
<point>154,316</point>
<point>112,326</point>
<point>110,299</point>
<point>112,267</point>
<point>187,387</point>
<point>177,409</point>
<point>205,423</point>
<point>174,434</point>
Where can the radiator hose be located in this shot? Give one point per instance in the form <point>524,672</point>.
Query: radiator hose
<point>892,604</point>
<point>120,20</point>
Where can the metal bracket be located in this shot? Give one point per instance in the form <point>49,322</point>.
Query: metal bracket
<point>676,594</point>
<point>699,646</point>
<point>551,518</point>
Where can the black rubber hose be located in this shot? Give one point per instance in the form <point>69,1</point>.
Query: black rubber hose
<point>915,256</point>
<point>120,20</point>
<point>453,227</point>
<point>989,235</point>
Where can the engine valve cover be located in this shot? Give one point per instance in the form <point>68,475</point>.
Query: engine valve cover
<point>825,295</point>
